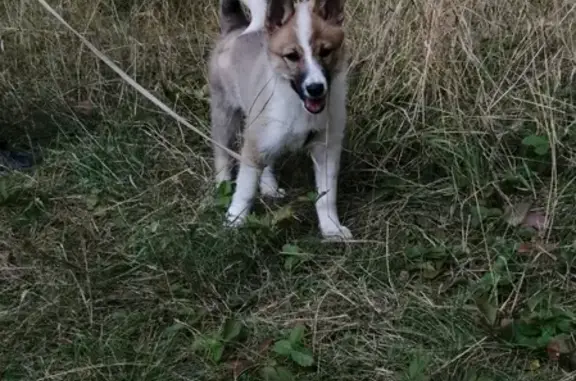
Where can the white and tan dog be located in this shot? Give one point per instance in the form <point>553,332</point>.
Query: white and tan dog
<point>284,73</point>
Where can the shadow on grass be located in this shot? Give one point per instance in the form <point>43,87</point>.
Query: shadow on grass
<point>40,125</point>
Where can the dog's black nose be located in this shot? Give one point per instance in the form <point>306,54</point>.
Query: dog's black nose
<point>315,90</point>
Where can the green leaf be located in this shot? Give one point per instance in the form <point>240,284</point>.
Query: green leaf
<point>290,249</point>
<point>564,326</point>
<point>284,374</point>
<point>283,347</point>
<point>489,311</point>
<point>223,201</point>
<point>415,252</point>
<point>291,262</point>
<point>302,357</point>
<point>541,150</point>
<point>429,269</point>
<point>92,200</point>
<point>270,373</point>
<point>547,336</point>
<point>535,141</point>
<point>312,196</point>
<point>284,213</point>
<point>482,213</point>
<point>201,343</point>
<point>225,189</point>
<point>414,369</point>
<point>232,329</point>
<point>176,327</point>
<point>297,334</point>
<point>540,144</point>
<point>224,194</point>
<point>437,252</point>
<point>417,367</point>
<point>253,221</point>
<point>527,330</point>
<point>501,263</point>
<point>217,351</point>
<point>294,256</point>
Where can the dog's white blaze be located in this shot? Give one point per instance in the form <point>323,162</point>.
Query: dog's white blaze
<point>304,33</point>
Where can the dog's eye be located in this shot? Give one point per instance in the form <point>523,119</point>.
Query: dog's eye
<point>324,52</point>
<point>293,56</point>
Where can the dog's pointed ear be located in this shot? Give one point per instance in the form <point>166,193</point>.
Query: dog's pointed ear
<point>330,10</point>
<point>278,13</point>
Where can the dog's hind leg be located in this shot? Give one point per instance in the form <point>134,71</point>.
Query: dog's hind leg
<point>269,185</point>
<point>226,121</point>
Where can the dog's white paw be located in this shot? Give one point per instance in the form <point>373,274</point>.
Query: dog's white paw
<point>234,221</point>
<point>272,192</point>
<point>236,215</point>
<point>337,233</point>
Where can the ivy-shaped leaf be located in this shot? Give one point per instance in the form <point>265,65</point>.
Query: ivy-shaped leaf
<point>302,357</point>
<point>283,347</point>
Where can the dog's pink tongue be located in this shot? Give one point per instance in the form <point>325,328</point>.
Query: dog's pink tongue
<point>314,105</point>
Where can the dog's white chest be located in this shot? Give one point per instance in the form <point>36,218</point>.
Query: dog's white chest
<point>288,127</point>
<point>296,135</point>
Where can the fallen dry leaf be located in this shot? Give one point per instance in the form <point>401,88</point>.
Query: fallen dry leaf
<point>265,345</point>
<point>239,366</point>
<point>535,220</point>
<point>85,107</point>
<point>505,322</point>
<point>525,248</point>
<point>516,214</point>
<point>536,247</point>
<point>522,215</point>
<point>557,347</point>
<point>553,350</point>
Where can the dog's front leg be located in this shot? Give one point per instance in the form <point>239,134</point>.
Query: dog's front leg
<point>325,151</point>
<point>326,158</point>
<point>246,188</point>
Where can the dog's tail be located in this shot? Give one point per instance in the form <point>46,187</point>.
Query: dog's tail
<point>257,15</point>
<point>232,17</point>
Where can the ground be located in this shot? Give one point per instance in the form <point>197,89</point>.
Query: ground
<point>457,181</point>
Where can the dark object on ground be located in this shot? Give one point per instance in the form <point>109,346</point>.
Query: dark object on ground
<point>10,160</point>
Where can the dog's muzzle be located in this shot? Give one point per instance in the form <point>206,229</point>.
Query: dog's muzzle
<point>313,95</point>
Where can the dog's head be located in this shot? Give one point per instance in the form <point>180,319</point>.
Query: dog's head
<point>305,43</point>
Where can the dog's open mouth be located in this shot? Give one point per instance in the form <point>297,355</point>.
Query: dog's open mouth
<point>315,105</point>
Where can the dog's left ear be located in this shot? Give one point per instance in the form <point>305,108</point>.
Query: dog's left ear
<point>278,13</point>
<point>330,10</point>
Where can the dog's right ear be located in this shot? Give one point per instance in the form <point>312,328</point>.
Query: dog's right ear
<point>278,13</point>
<point>330,10</point>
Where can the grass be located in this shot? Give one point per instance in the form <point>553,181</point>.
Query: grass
<point>114,265</point>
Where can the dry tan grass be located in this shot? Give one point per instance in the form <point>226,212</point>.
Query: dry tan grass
<point>112,259</point>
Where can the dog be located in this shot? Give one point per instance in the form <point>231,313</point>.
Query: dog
<point>284,74</point>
